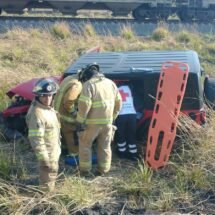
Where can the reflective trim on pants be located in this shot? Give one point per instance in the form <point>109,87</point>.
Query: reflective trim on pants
<point>121,147</point>
<point>85,166</point>
<point>132,148</point>
<point>104,167</point>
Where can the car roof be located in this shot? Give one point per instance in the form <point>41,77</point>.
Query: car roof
<point>116,62</point>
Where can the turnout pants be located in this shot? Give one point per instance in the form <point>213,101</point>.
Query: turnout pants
<point>68,132</point>
<point>48,175</point>
<point>103,136</point>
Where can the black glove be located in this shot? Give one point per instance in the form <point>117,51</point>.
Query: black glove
<point>80,126</point>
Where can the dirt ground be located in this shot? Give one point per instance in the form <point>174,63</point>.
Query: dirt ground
<point>118,209</point>
<point>110,209</point>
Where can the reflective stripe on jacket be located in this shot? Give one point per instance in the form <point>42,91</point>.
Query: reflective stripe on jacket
<point>66,97</point>
<point>99,102</point>
<point>43,131</point>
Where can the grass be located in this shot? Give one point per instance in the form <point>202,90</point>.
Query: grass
<point>11,166</point>
<point>61,31</point>
<point>181,186</point>
<point>4,100</point>
<point>77,193</point>
<point>5,164</point>
<point>73,195</point>
<point>139,181</point>
<point>127,33</point>
<point>160,34</point>
<point>186,184</point>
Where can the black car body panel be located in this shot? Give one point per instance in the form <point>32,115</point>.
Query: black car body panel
<point>143,70</point>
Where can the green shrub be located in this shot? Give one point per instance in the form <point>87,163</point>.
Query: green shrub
<point>160,34</point>
<point>138,181</point>
<point>16,54</point>
<point>211,48</point>
<point>127,33</point>
<point>183,37</point>
<point>89,31</point>
<point>61,30</point>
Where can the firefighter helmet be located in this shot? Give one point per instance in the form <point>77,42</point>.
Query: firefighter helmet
<point>92,66</point>
<point>45,86</point>
<point>88,71</point>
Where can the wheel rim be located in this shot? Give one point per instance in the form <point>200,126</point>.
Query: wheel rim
<point>140,14</point>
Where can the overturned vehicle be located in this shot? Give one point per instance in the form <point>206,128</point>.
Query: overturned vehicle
<point>140,69</point>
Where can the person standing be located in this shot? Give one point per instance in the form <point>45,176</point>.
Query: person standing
<point>44,132</point>
<point>126,125</point>
<point>66,104</point>
<point>98,106</point>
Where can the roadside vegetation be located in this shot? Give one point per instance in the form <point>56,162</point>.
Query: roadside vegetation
<point>186,184</point>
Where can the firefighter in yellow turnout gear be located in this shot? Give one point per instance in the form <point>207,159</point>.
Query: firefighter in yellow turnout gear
<point>44,132</point>
<point>65,104</point>
<point>98,105</point>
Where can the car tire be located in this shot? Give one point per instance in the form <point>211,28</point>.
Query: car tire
<point>209,92</point>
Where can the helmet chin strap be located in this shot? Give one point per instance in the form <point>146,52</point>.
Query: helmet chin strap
<point>38,100</point>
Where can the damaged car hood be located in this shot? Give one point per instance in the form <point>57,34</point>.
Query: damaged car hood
<point>25,89</point>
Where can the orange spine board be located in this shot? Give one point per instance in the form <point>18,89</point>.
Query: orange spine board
<point>162,131</point>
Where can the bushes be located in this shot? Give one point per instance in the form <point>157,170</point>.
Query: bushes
<point>160,34</point>
<point>89,31</point>
<point>127,33</point>
<point>61,30</point>
<point>183,37</point>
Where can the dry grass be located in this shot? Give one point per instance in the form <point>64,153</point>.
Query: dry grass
<point>34,52</point>
<point>73,195</point>
<point>127,33</point>
<point>160,33</point>
<point>77,193</point>
<point>186,184</point>
<point>18,167</point>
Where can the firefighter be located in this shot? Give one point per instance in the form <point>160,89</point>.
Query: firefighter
<point>98,106</point>
<point>126,125</point>
<point>44,132</point>
<point>66,104</point>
